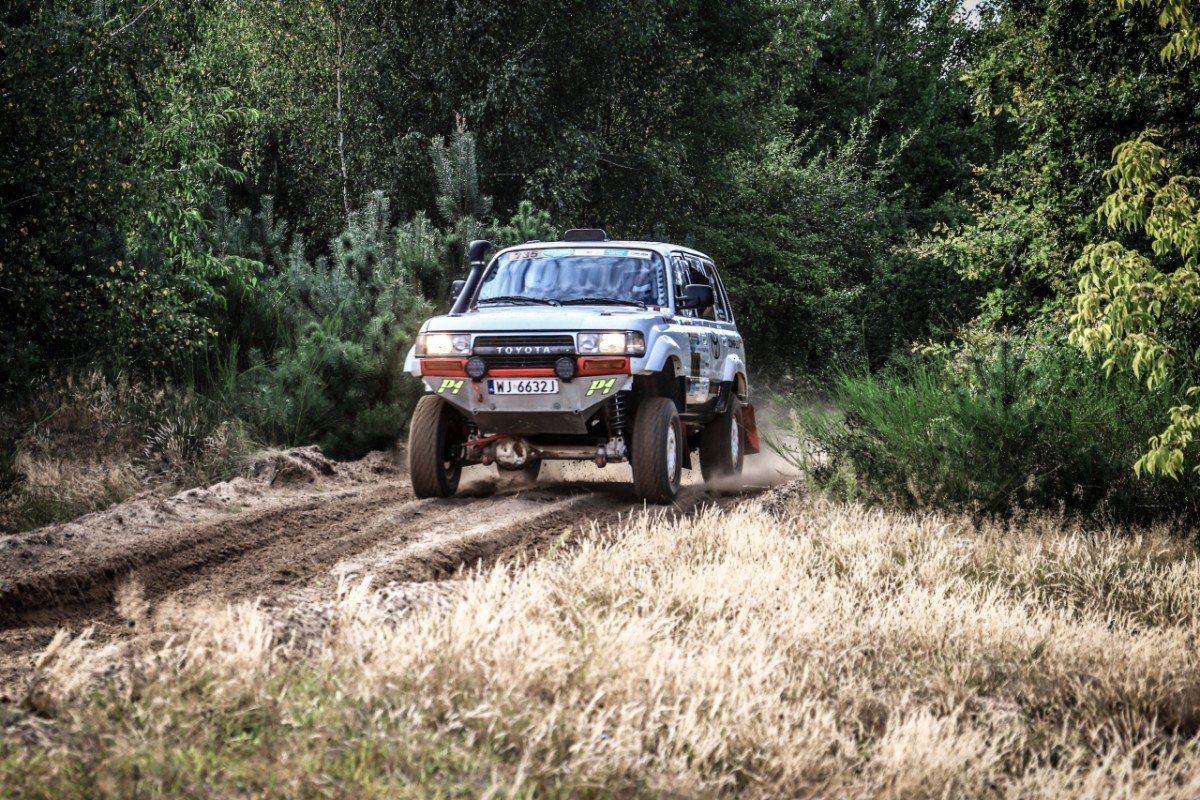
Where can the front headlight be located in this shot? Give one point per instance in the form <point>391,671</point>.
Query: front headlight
<point>635,343</point>
<point>443,344</point>
<point>612,343</point>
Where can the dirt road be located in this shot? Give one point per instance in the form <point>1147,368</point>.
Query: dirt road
<point>295,525</point>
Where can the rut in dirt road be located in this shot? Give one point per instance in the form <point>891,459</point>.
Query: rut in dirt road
<point>325,527</point>
<point>262,551</point>
<point>260,537</point>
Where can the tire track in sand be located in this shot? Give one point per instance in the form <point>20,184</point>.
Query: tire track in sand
<point>309,539</point>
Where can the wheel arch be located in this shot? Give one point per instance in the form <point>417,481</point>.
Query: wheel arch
<point>664,353</point>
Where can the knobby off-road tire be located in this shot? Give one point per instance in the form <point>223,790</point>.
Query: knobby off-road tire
<point>723,443</point>
<point>435,435</point>
<point>657,450</point>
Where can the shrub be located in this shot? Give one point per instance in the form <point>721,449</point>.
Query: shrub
<point>1008,427</point>
<point>801,236</point>
<point>346,324</point>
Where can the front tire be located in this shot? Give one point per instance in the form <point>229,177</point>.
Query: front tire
<point>657,457</point>
<point>723,443</point>
<point>435,436</point>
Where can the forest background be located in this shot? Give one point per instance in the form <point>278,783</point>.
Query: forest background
<point>962,244</point>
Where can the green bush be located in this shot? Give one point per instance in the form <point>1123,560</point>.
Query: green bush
<point>1009,427</point>
<point>800,237</point>
<point>345,325</point>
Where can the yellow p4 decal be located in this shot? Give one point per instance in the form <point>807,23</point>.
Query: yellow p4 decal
<point>450,384</point>
<point>601,385</point>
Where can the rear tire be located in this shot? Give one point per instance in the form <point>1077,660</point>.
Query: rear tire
<point>435,435</point>
<point>723,443</point>
<point>657,457</point>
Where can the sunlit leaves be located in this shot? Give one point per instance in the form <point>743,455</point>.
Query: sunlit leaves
<point>1176,16</point>
<point>1138,308</point>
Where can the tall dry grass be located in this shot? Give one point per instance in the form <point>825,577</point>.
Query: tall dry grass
<point>82,442</point>
<point>823,651</point>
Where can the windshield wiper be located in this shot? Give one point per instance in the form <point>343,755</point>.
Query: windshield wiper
<point>613,301</point>
<point>519,298</point>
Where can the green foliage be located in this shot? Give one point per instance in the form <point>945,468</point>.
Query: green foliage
<point>527,224</point>
<point>897,63</point>
<point>246,314</point>
<point>1069,80</point>
<point>1011,253</point>
<point>312,69</point>
<point>337,377</point>
<point>423,248</point>
<point>1008,427</point>
<point>1131,310</point>
<point>1139,308</point>
<point>459,199</point>
<point>457,173</point>
<point>1184,41</point>
<point>800,237</point>
<point>111,141</point>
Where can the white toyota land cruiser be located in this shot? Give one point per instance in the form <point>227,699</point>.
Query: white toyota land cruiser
<point>582,349</point>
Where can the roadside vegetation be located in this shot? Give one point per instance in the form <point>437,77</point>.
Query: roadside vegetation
<point>963,249</point>
<point>249,206</point>
<point>792,647</point>
<point>1005,427</point>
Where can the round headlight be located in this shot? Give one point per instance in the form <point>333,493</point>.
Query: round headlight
<point>445,344</point>
<point>564,368</point>
<point>476,367</point>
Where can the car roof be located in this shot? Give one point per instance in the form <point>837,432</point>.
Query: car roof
<point>664,248</point>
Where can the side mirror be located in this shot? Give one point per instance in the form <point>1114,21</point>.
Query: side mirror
<point>696,295</point>
<point>456,289</point>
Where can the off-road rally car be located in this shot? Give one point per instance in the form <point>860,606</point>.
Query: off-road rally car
<point>584,349</point>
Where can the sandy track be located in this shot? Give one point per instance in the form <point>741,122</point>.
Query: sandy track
<point>298,523</point>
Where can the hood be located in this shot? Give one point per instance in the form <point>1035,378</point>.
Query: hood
<point>528,319</point>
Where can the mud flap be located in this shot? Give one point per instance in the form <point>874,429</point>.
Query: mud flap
<point>750,428</point>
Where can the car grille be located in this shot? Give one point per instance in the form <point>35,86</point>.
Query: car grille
<point>523,351</point>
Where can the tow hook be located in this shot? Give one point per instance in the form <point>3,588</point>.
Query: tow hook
<point>601,457</point>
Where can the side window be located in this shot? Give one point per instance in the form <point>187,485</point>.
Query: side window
<point>724,311</point>
<point>703,271</point>
<point>680,276</point>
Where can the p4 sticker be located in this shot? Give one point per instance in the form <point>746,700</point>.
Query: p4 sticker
<point>601,385</point>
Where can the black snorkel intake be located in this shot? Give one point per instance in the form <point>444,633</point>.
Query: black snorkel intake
<point>461,291</point>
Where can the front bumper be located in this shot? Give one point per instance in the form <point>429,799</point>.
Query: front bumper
<point>563,413</point>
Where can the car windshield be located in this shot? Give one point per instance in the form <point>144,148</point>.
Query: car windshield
<point>599,275</point>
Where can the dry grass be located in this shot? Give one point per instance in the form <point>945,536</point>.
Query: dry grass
<point>827,651</point>
<point>85,442</point>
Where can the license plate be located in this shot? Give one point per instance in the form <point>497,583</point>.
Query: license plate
<point>523,386</point>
